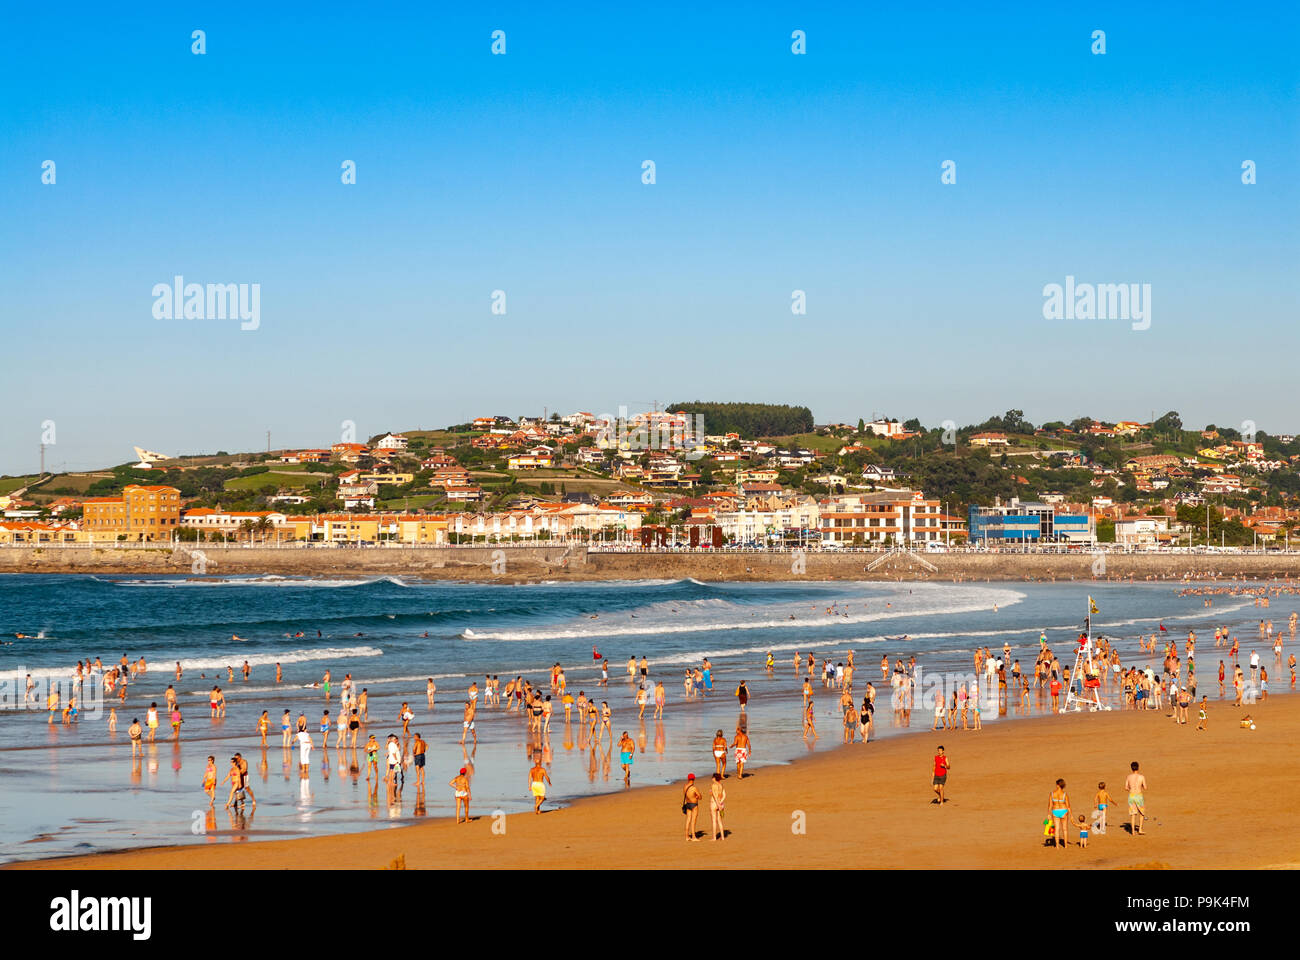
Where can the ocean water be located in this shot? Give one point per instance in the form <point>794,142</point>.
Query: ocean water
<point>67,789</point>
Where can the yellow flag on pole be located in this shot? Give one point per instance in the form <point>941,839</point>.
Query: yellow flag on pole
<point>1092,607</point>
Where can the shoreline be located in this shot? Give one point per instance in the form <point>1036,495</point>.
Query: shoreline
<point>868,806</point>
<point>536,564</point>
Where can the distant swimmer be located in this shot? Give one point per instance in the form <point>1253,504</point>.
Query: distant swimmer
<point>235,636</point>
<point>426,634</point>
<point>594,616</point>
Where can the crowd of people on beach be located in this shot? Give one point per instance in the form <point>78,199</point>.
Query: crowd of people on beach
<point>1053,682</point>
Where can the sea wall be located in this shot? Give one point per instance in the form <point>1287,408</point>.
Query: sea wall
<point>530,563</point>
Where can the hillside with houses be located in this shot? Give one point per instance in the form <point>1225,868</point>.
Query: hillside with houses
<point>671,478</point>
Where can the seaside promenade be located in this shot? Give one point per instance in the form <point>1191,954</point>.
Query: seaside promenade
<point>515,563</point>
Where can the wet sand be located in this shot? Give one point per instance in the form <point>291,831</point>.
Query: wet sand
<point>1221,798</point>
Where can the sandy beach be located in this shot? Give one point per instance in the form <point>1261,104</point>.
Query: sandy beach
<point>1218,799</point>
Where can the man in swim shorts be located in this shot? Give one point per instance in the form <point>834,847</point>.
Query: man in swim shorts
<point>626,752</point>
<point>418,748</point>
<point>1136,785</point>
<point>538,778</point>
<point>467,725</point>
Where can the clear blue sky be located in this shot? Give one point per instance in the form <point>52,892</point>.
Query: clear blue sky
<point>523,173</point>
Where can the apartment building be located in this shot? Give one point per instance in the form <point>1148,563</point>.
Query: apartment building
<point>904,517</point>
<point>141,513</point>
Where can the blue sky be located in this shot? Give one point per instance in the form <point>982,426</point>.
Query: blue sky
<point>522,173</point>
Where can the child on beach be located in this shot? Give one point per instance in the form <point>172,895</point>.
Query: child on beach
<point>210,780</point>
<point>1203,714</point>
<point>1103,800</point>
<point>1083,831</point>
<point>112,719</point>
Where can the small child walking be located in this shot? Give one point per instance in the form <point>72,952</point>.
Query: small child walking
<point>1103,800</point>
<point>1083,831</point>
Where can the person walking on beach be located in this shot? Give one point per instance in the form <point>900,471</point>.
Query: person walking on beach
<point>418,748</point>
<point>1058,805</point>
<point>691,798</point>
<point>742,747</point>
<point>151,720</point>
<point>1136,785</point>
<point>742,694</point>
<point>135,732</point>
<point>467,724</point>
<point>1104,801</point>
<point>236,779</point>
<point>809,720</point>
<point>941,767</point>
<point>660,697</point>
<point>372,763</point>
<point>626,754</point>
<point>243,777</point>
<point>538,778</point>
<point>850,723</point>
<point>393,751</point>
<point>720,754</point>
<point>210,780</point>
<point>460,790</point>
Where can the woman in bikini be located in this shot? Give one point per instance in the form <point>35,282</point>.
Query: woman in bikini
<point>717,801</point>
<point>1058,806</point>
<point>720,754</point>
<point>460,789</point>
